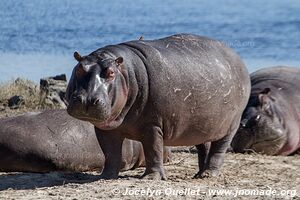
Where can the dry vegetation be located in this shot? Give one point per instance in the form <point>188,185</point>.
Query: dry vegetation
<point>28,91</point>
<point>20,87</point>
<point>256,172</point>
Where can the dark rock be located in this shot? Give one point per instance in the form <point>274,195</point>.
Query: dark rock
<point>61,77</point>
<point>52,91</point>
<point>15,102</point>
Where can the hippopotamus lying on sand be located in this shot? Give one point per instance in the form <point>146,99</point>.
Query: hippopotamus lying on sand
<point>270,122</point>
<point>54,141</point>
<point>179,90</point>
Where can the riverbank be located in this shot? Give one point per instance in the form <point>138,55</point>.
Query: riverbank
<point>241,173</point>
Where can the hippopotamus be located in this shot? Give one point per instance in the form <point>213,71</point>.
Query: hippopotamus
<point>176,91</point>
<point>270,122</point>
<point>54,141</point>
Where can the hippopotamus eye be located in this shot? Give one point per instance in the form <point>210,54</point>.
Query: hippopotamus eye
<point>80,72</point>
<point>110,74</point>
<point>257,118</point>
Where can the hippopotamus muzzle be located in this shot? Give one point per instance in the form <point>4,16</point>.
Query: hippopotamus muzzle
<point>89,108</point>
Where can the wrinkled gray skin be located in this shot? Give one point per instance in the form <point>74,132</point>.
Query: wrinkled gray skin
<point>179,90</point>
<point>270,122</point>
<point>54,141</point>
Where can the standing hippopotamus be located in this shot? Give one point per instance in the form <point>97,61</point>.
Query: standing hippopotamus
<point>270,122</point>
<point>179,90</point>
<point>53,140</point>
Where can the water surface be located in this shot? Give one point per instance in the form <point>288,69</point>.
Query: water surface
<point>38,38</point>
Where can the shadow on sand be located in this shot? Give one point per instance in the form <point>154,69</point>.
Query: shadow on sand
<point>23,181</point>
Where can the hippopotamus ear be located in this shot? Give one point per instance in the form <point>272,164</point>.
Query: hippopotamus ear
<point>141,38</point>
<point>264,95</point>
<point>77,56</point>
<point>265,100</point>
<point>119,61</point>
<point>266,91</point>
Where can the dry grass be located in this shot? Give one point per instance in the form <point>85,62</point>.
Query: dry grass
<point>25,88</point>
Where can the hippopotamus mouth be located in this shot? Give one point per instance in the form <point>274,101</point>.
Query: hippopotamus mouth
<point>258,147</point>
<point>264,139</point>
<point>106,121</point>
<point>263,147</point>
<point>108,124</point>
<point>268,146</point>
<point>87,111</point>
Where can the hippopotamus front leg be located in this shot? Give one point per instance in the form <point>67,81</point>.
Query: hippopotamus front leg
<point>152,142</point>
<point>111,145</point>
<point>211,156</point>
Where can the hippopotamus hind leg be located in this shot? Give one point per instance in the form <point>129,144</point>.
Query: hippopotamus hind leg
<point>211,158</point>
<point>203,151</point>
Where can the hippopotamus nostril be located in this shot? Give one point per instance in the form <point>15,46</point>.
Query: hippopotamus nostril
<point>78,98</point>
<point>243,123</point>
<point>96,101</point>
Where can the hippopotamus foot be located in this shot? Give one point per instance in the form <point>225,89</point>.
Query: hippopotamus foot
<point>111,145</point>
<point>211,155</point>
<point>153,149</point>
<point>106,175</point>
<point>203,155</point>
<point>207,174</point>
<point>154,175</point>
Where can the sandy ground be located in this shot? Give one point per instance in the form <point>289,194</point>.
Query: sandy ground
<point>241,175</point>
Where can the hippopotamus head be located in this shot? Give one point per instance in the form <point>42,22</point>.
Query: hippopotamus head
<point>262,127</point>
<point>97,91</point>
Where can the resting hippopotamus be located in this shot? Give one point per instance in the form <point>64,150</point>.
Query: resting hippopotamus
<point>270,122</point>
<point>54,141</point>
<point>179,90</point>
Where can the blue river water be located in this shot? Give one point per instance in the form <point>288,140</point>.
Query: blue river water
<point>38,38</point>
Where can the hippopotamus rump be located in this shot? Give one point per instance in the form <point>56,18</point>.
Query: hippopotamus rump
<point>54,141</point>
<point>270,122</point>
<point>179,90</point>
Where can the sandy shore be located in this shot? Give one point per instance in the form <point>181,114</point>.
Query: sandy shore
<point>241,174</point>
<point>241,177</point>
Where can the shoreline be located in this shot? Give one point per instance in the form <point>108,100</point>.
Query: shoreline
<point>34,66</point>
